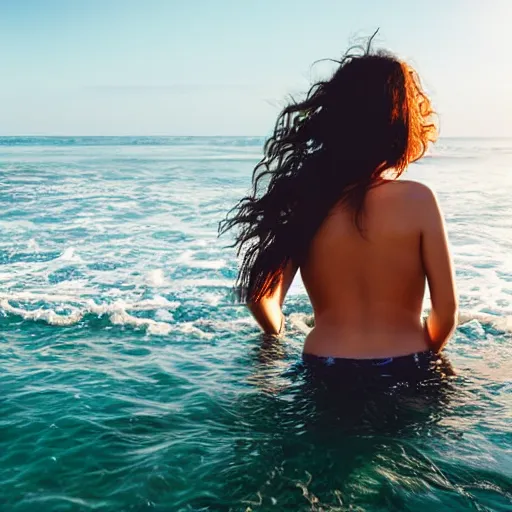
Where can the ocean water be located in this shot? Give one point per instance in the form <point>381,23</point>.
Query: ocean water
<point>130,380</point>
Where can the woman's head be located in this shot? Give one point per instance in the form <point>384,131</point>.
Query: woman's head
<point>370,117</point>
<point>374,108</point>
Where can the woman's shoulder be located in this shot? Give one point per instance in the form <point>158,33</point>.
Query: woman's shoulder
<point>409,190</point>
<point>403,202</point>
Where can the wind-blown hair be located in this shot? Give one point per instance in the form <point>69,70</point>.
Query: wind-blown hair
<point>370,117</point>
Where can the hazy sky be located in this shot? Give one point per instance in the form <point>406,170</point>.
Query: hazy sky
<point>205,67</point>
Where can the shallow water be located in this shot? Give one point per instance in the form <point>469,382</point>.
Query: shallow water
<point>131,381</point>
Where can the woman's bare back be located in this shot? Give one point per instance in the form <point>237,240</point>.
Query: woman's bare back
<point>369,121</point>
<point>367,291</point>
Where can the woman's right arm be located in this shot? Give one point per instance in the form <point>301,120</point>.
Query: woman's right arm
<point>437,262</point>
<point>267,311</point>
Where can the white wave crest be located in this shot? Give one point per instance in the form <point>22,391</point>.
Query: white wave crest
<point>117,313</point>
<point>300,322</point>
<point>32,245</point>
<point>70,255</point>
<point>47,315</point>
<point>155,277</point>
<point>502,323</point>
<point>152,326</point>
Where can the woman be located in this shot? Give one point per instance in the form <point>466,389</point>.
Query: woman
<point>327,200</point>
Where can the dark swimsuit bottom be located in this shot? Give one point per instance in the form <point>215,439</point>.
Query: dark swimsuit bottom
<point>412,367</point>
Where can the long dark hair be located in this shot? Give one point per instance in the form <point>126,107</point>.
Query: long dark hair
<point>369,117</point>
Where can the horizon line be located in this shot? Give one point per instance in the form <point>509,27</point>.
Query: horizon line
<point>215,135</point>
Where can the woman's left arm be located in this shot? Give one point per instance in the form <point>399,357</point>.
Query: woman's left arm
<point>267,311</point>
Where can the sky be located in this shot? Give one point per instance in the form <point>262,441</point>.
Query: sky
<point>225,67</point>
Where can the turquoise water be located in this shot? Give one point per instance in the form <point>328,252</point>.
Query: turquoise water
<point>131,381</point>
